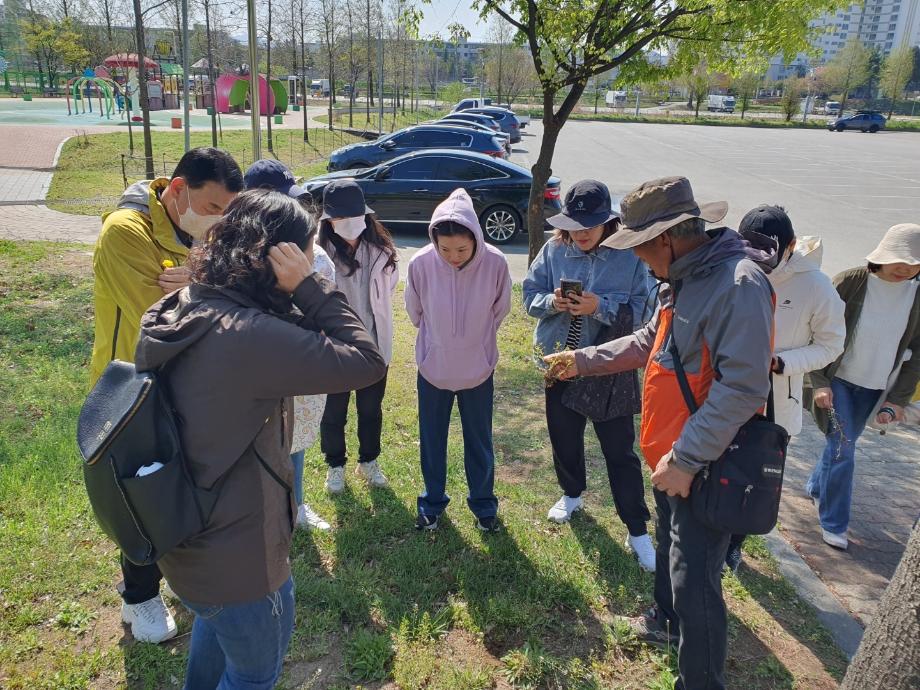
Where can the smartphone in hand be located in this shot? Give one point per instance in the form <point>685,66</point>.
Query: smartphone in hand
<point>570,287</point>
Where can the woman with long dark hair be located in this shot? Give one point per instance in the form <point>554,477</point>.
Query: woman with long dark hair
<point>255,327</point>
<point>365,267</point>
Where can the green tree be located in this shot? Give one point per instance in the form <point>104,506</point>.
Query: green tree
<point>458,33</point>
<point>792,93</point>
<point>895,74</point>
<point>915,72</point>
<point>745,88</point>
<point>848,70</point>
<point>54,43</point>
<point>570,43</point>
<point>452,93</point>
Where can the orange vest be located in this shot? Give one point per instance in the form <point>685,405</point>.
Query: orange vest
<point>664,411</point>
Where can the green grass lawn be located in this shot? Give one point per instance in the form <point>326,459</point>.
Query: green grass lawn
<point>379,605</point>
<point>88,179</point>
<point>391,121</point>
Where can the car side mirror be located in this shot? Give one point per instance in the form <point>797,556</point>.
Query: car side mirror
<point>382,174</point>
<point>388,145</point>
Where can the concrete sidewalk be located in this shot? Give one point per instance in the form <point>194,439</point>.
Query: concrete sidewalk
<point>886,502</point>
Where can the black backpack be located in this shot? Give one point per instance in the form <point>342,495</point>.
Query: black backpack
<point>128,422</point>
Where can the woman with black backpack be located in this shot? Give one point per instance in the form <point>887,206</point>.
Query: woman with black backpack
<point>255,327</point>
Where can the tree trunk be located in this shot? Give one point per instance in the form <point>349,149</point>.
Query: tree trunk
<point>269,95</point>
<point>142,88</point>
<point>370,64</point>
<point>542,169</point>
<point>211,85</point>
<point>303,73</point>
<point>889,656</point>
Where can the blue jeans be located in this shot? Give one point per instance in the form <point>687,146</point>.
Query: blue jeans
<point>240,646</point>
<point>297,459</point>
<point>831,482</point>
<point>434,408</point>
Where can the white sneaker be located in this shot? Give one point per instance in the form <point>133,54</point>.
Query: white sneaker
<point>307,518</point>
<point>150,621</point>
<point>645,552</point>
<point>335,480</point>
<point>372,473</point>
<point>564,508</point>
<point>838,541</point>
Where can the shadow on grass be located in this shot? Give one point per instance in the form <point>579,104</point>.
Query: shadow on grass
<point>777,596</point>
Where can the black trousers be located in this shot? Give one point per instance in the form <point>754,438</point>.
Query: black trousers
<point>688,591</point>
<point>616,436</point>
<point>142,582</point>
<point>369,402</point>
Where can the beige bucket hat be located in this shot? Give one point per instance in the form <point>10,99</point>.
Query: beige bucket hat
<point>656,206</point>
<point>900,245</point>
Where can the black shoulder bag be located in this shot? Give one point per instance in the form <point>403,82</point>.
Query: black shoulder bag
<point>740,491</point>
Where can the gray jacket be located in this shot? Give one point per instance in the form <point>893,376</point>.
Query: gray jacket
<point>723,327</point>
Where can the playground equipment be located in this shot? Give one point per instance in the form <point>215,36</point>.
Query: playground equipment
<point>104,88</point>
<point>233,93</point>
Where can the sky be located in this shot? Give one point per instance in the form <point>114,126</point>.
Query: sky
<point>440,13</point>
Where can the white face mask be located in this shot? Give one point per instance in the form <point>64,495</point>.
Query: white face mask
<point>349,229</point>
<point>194,223</point>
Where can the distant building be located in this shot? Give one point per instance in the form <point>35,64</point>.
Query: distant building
<point>883,24</point>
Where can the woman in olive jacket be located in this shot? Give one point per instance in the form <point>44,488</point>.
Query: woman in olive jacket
<point>882,316</point>
<point>256,326</point>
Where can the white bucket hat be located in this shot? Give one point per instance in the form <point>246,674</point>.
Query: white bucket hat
<point>900,245</point>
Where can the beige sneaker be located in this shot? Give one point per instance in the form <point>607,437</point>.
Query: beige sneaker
<point>372,473</point>
<point>335,480</point>
<point>150,620</point>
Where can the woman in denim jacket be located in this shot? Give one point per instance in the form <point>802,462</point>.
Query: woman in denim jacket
<point>611,280</point>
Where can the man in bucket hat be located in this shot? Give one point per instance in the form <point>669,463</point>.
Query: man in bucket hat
<point>717,307</point>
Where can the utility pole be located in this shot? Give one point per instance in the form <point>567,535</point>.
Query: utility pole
<point>185,73</point>
<point>253,79</point>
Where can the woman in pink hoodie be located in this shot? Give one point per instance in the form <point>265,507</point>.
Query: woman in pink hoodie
<point>458,291</point>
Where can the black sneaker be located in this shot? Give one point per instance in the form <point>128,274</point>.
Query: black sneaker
<point>426,522</point>
<point>487,524</point>
<point>733,559</point>
<point>649,628</point>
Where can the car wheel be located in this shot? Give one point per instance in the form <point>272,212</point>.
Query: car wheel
<point>873,129</point>
<point>500,224</point>
<point>840,128</point>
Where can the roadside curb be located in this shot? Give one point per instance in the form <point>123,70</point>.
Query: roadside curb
<point>845,630</point>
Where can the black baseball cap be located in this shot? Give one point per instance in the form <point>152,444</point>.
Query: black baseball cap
<point>770,221</point>
<point>344,199</point>
<point>587,205</point>
<point>272,174</point>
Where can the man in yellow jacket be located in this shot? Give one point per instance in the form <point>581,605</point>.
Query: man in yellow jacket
<point>139,258</point>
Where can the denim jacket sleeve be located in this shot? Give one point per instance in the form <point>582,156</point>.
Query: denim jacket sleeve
<point>637,297</point>
<point>538,288</point>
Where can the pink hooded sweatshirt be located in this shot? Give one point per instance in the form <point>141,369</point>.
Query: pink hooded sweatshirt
<point>457,311</point>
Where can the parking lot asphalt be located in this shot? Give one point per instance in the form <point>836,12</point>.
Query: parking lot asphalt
<point>847,188</point>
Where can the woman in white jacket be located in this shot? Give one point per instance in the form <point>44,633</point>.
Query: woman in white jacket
<point>809,326</point>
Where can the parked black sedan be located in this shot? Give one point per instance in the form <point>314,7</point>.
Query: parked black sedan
<point>366,154</point>
<point>406,190</point>
<point>506,120</point>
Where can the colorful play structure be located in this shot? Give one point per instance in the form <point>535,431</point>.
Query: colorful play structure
<point>233,94</point>
<point>83,88</point>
